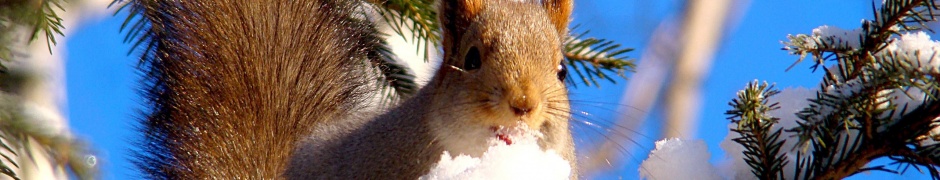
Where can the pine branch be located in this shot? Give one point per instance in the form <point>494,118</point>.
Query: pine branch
<point>38,15</point>
<point>927,156</point>
<point>419,17</point>
<point>592,58</point>
<point>761,141</point>
<point>855,63</point>
<point>849,129</point>
<point>894,17</point>
<point>18,130</point>
<point>854,118</point>
<point>397,82</point>
<point>894,141</point>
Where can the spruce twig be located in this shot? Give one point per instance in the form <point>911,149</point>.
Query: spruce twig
<point>592,58</point>
<point>761,141</point>
<point>37,15</point>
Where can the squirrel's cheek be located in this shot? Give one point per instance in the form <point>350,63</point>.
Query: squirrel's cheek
<point>488,117</point>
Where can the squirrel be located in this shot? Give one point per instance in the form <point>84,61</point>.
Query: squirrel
<point>271,90</point>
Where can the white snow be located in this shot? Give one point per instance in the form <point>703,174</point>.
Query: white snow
<point>523,159</point>
<point>916,48</point>
<point>831,36</point>
<point>679,159</point>
<point>838,36</point>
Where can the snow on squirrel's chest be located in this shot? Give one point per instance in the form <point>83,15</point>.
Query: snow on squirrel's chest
<point>509,153</point>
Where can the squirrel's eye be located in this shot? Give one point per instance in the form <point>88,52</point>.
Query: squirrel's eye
<point>562,72</point>
<point>472,60</point>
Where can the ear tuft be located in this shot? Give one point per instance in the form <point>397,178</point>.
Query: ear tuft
<point>559,11</point>
<point>458,13</point>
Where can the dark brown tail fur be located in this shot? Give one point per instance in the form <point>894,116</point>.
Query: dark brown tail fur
<point>234,84</point>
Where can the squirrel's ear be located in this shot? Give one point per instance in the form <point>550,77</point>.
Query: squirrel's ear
<point>458,13</point>
<point>559,11</point>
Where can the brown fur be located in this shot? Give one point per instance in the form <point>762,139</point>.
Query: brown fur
<point>256,90</point>
<point>560,13</point>
<point>237,83</point>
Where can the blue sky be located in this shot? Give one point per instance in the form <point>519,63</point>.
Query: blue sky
<point>103,104</point>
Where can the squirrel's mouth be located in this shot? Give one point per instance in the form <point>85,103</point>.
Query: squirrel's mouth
<point>508,134</point>
<point>501,135</point>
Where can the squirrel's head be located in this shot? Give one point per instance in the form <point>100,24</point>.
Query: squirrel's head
<point>503,64</point>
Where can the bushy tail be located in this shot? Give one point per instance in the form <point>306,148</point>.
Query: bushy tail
<point>232,85</point>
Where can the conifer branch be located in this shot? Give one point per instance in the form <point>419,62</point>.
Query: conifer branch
<point>18,129</point>
<point>396,81</point>
<point>761,141</point>
<point>854,118</point>
<point>592,58</point>
<point>419,17</point>
<point>38,15</point>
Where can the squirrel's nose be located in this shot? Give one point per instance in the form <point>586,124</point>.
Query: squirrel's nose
<point>521,105</point>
